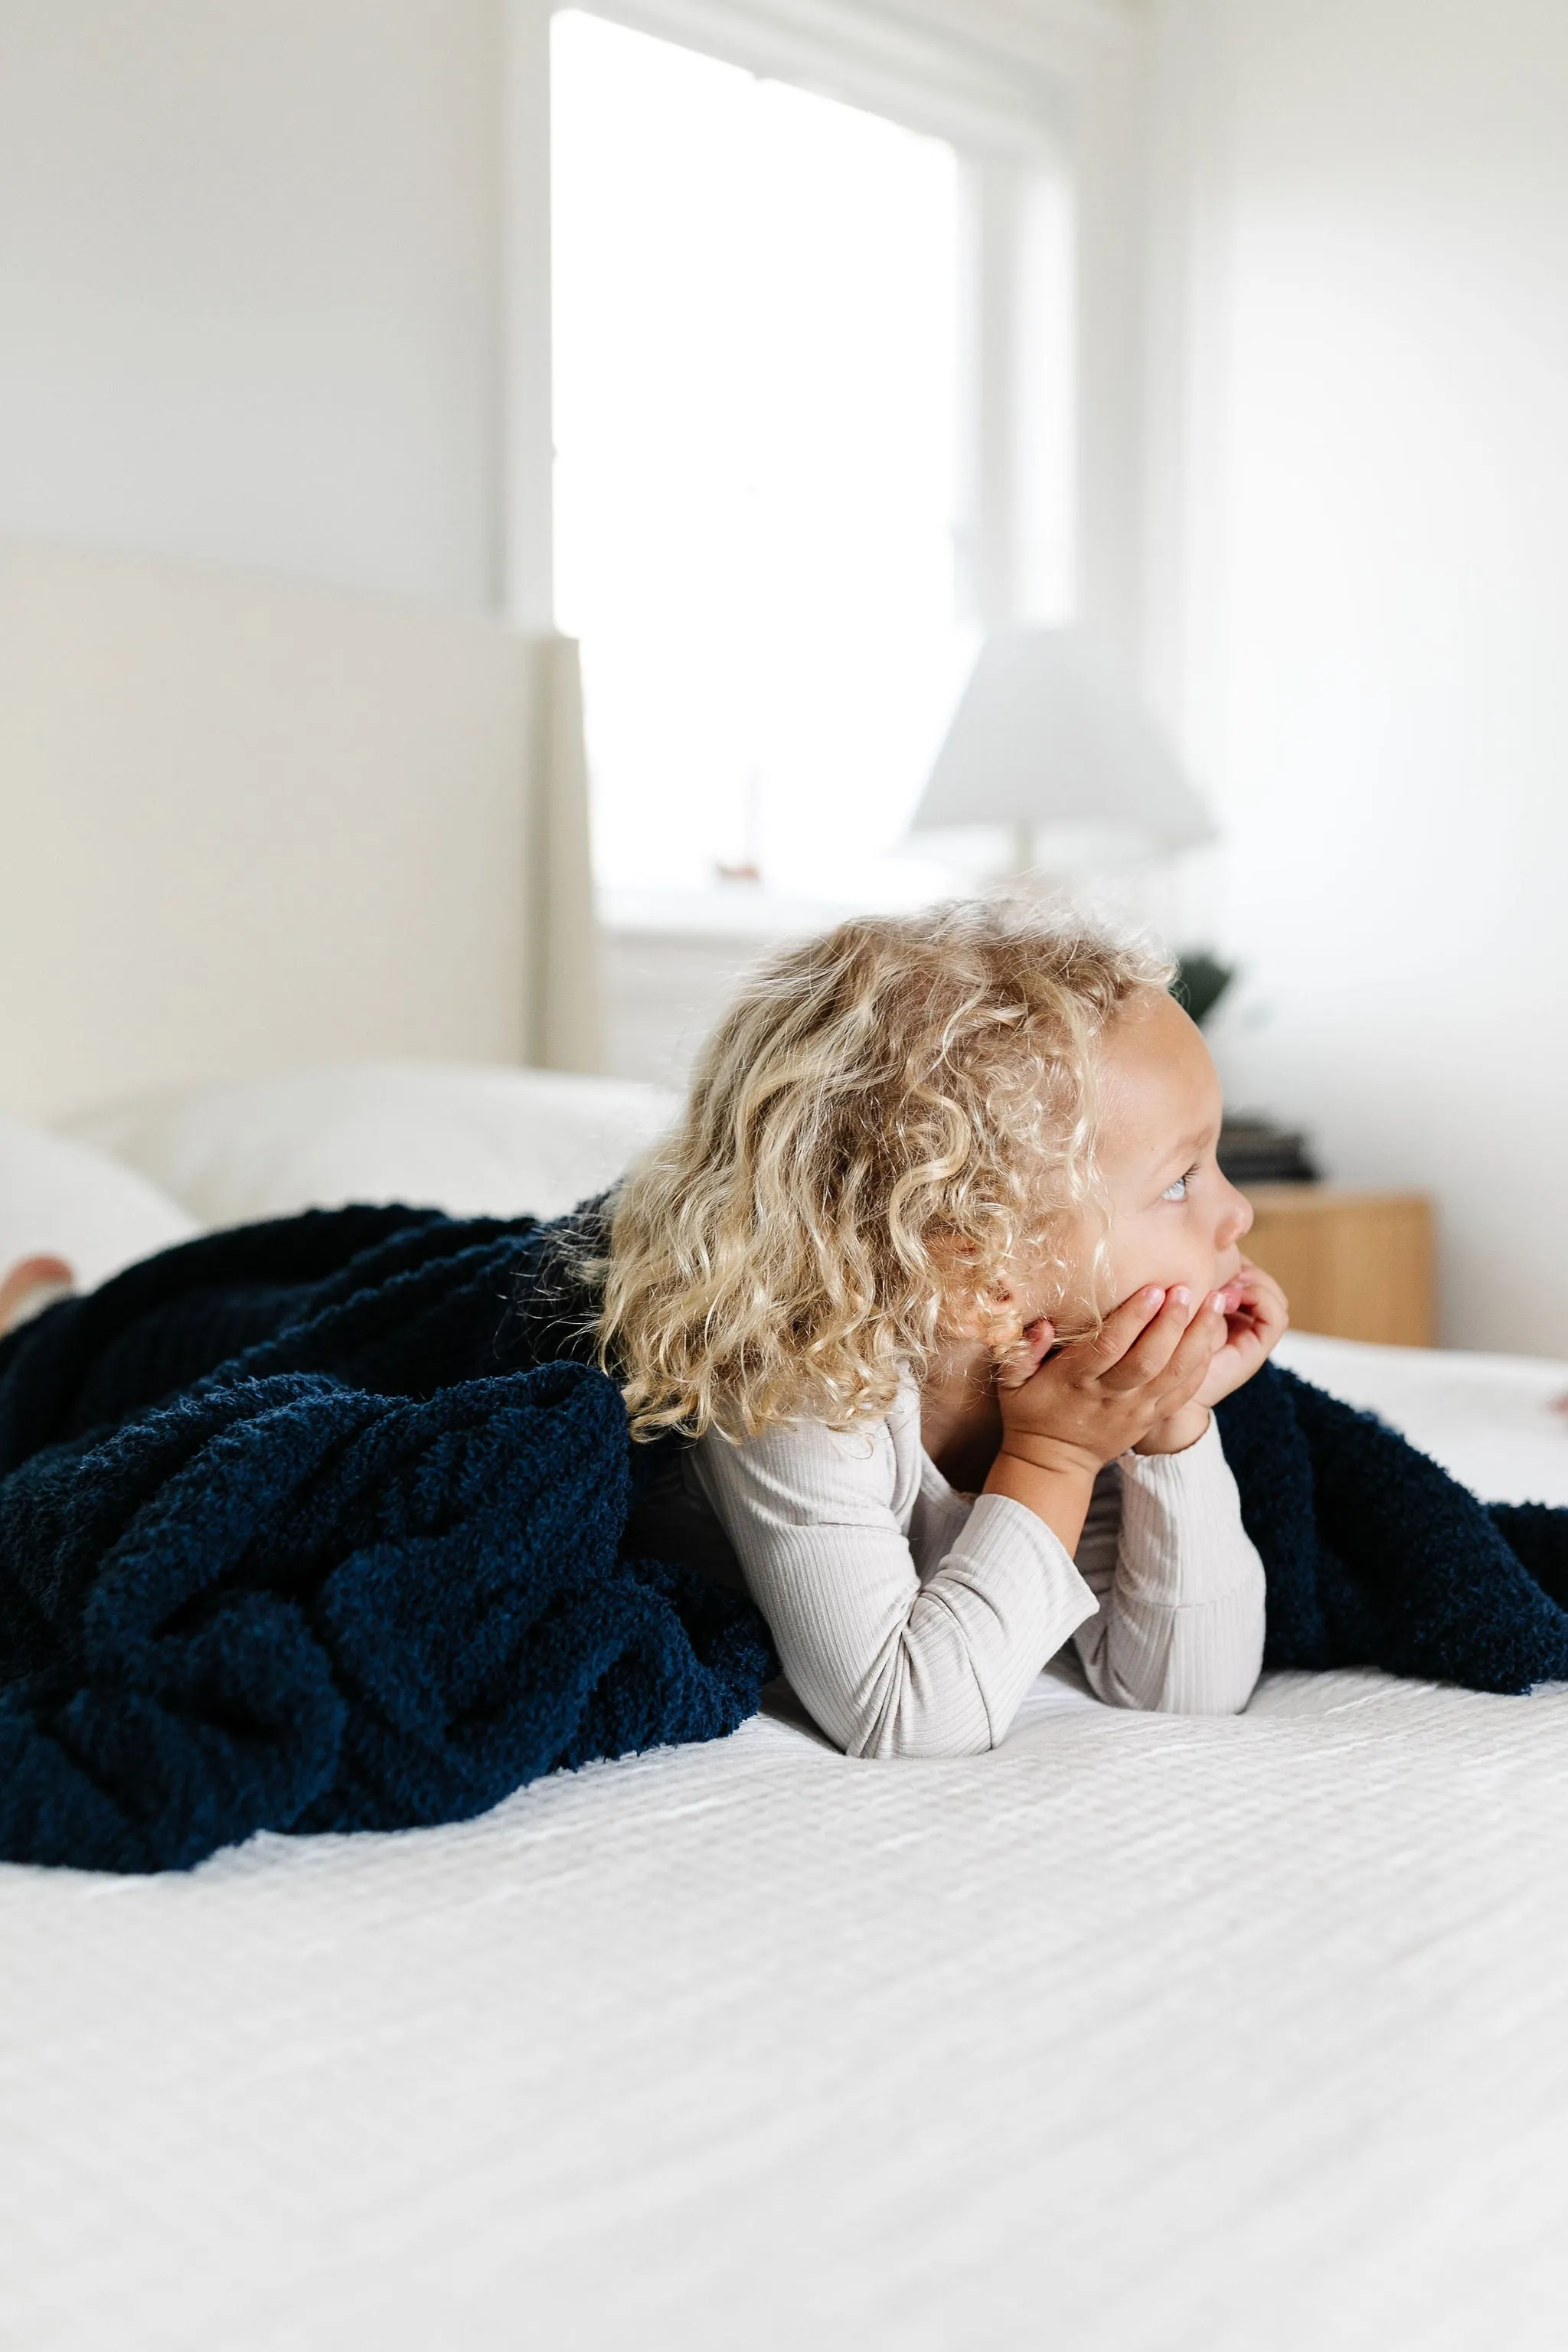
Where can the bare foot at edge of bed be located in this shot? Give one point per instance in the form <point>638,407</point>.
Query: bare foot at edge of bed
<point>19,1291</point>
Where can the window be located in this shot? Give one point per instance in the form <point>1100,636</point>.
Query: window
<point>760,411</point>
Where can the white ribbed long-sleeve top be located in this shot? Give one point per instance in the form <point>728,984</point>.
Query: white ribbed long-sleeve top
<point>911,1619</point>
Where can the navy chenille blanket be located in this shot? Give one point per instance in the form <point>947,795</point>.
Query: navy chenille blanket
<point>317,1525</point>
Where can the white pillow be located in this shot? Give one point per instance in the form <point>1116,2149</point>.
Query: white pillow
<point>476,1142</point>
<point>62,1199</point>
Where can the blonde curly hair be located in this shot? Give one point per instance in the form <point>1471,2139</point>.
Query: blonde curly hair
<point>887,1118</point>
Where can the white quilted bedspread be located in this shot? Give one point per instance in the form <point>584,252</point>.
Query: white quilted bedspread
<point>1139,2032</point>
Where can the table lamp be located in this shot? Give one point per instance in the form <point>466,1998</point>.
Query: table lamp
<point>1051,739</point>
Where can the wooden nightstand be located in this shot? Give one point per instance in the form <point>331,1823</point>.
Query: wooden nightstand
<point>1357,1266</point>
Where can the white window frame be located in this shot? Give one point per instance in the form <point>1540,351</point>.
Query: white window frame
<point>922,75</point>
<point>1043,105</point>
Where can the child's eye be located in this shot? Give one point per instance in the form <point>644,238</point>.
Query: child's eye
<point>1178,1190</point>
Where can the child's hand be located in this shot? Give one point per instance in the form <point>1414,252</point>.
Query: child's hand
<point>1257,1317</point>
<point>1077,1410</point>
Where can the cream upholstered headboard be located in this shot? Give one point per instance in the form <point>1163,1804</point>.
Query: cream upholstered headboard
<point>247,824</point>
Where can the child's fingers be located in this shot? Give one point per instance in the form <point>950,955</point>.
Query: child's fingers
<point>1252,1286</point>
<point>1025,1356</point>
<point>1257,1309</point>
<point>1270,1308</point>
<point>1148,1355</point>
<point>1121,1327</point>
<point>1204,1336</point>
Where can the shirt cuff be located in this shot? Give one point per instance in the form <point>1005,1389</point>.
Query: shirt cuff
<point>1183,1542</point>
<point>1003,1534</point>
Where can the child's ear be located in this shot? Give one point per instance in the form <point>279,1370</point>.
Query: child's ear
<point>1004,1317</point>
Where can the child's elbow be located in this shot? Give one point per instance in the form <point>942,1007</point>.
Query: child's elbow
<point>1226,1692</point>
<point>1220,1703</point>
<point>913,1726</point>
<point>919,1741</point>
<point>1183,1687</point>
<point>908,1706</point>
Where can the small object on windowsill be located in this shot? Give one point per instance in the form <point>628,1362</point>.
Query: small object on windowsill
<point>1256,1151</point>
<point>746,871</point>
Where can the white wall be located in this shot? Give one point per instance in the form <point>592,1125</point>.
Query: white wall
<point>1362,566</point>
<point>274,284</point>
<point>249,283</point>
<point>272,292</point>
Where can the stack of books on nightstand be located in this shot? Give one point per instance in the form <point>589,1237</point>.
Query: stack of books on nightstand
<point>1256,1151</point>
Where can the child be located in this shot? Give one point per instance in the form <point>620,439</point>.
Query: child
<point>940,1273</point>
<point>321,1524</point>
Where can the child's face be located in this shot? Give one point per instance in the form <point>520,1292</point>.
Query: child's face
<point>1173,1217</point>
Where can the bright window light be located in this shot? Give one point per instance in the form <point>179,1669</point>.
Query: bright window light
<point>756,459</point>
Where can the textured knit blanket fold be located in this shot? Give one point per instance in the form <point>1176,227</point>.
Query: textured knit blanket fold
<point>301,1528</point>
<point>316,1524</point>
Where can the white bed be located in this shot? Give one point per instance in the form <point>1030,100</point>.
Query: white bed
<point>1137,2031</point>
<point>1240,2036</point>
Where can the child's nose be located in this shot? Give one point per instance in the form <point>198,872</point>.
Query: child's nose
<point>1235,1218</point>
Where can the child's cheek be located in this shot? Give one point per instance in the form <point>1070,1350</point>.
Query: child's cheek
<point>1072,1311</point>
<point>1136,1259</point>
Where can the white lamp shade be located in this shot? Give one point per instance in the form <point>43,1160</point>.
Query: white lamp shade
<point>1050,735</point>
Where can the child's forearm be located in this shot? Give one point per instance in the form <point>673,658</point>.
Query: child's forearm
<point>1178,1433</point>
<point>1058,1493</point>
<point>1181,1589</point>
